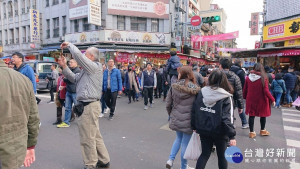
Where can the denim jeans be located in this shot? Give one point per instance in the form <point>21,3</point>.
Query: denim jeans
<point>288,96</point>
<point>103,104</point>
<point>278,98</point>
<point>182,140</point>
<point>243,117</point>
<point>70,99</point>
<point>294,95</point>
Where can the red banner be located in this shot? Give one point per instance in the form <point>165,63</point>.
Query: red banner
<point>219,37</point>
<point>287,52</point>
<point>122,57</point>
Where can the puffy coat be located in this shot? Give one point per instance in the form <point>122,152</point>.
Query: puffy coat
<point>240,73</point>
<point>180,100</point>
<point>172,65</point>
<point>235,81</point>
<point>258,97</point>
<point>115,80</point>
<point>290,80</point>
<point>278,86</point>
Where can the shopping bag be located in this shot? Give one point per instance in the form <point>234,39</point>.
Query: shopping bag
<point>192,151</point>
<point>296,102</point>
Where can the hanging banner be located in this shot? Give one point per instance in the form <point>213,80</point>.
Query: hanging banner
<point>34,25</point>
<point>94,16</point>
<point>230,49</point>
<point>226,36</point>
<point>254,23</point>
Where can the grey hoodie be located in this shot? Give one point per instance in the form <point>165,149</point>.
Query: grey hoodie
<point>211,96</point>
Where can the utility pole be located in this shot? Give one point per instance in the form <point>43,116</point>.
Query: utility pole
<point>186,20</point>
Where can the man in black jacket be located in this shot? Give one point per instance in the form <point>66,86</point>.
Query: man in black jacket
<point>70,95</point>
<point>235,81</point>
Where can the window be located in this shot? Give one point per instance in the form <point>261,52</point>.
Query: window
<point>55,27</point>
<point>138,24</point>
<point>34,4</point>
<point>64,25</point>
<point>24,34</point>
<point>155,25</point>
<point>121,22</point>
<point>55,2</point>
<point>48,28</point>
<point>47,3</point>
<point>62,1</point>
<point>10,9</point>
<point>76,25</point>
<point>86,25</point>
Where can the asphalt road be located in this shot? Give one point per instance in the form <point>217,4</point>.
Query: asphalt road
<point>139,139</point>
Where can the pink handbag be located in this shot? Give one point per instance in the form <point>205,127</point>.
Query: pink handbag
<point>296,102</point>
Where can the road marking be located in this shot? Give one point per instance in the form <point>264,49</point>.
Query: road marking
<point>293,143</point>
<point>43,96</point>
<point>292,128</point>
<point>293,110</point>
<point>294,165</point>
<point>290,114</point>
<point>291,120</point>
<point>166,127</point>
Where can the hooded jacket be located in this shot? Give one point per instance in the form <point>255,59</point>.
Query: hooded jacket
<point>240,73</point>
<point>235,81</point>
<point>212,113</point>
<point>180,100</point>
<point>258,96</point>
<point>172,65</point>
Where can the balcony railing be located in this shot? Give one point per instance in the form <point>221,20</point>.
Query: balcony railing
<point>86,27</point>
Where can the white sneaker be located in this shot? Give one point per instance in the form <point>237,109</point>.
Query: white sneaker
<point>169,164</point>
<point>101,115</point>
<point>188,167</point>
<point>146,107</point>
<point>107,110</point>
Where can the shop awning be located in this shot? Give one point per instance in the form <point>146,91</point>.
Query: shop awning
<point>133,47</point>
<point>287,52</point>
<point>46,50</point>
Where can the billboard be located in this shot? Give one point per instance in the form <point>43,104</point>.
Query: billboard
<point>94,16</point>
<point>34,25</point>
<point>282,31</point>
<point>78,9</point>
<point>140,8</point>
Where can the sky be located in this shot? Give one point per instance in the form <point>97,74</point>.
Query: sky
<point>238,16</point>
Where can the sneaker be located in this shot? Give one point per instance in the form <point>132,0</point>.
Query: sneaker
<point>278,107</point>
<point>39,101</point>
<point>107,110</point>
<point>101,115</point>
<point>101,165</point>
<point>40,125</point>
<point>50,102</point>
<point>151,106</point>
<point>146,108</point>
<point>63,125</point>
<point>169,164</point>
<point>57,122</point>
<point>110,117</point>
<point>188,167</point>
<point>245,126</point>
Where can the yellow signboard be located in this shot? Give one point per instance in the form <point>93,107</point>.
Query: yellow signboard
<point>1,49</point>
<point>35,25</point>
<point>294,42</point>
<point>282,31</point>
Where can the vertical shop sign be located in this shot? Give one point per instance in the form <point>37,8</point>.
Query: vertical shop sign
<point>34,25</point>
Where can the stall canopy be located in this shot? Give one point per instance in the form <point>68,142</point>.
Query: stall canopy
<point>268,52</point>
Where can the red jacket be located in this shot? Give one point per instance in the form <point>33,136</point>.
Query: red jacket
<point>258,98</point>
<point>60,82</point>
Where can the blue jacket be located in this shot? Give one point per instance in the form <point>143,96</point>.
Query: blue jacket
<point>278,86</point>
<point>290,80</point>
<point>115,80</point>
<point>172,64</point>
<point>27,71</point>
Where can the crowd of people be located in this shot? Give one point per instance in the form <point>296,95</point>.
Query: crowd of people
<point>198,99</point>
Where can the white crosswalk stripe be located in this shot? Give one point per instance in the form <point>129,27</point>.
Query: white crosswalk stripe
<point>291,124</point>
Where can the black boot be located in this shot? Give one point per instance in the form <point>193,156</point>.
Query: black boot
<point>58,116</point>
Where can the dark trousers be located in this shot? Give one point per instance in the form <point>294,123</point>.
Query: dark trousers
<point>207,144</point>
<point>59,110</point>
<point>159,90</point>
<point>166,89</point>
<point>103,104</point>
<point>110,100</point>
<point>263,121</point>
<point>52,90</point>
<point>148,94</point>
<point>131,94</point>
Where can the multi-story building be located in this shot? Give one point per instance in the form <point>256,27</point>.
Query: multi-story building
<point>15,27</point>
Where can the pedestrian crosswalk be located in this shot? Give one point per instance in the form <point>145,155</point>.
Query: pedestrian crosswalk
<point>291,124</point>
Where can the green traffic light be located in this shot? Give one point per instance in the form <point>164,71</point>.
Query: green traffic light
<point>217,18</point>
<point>211,19</point>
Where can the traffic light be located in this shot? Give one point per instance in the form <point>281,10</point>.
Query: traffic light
<point>211,19</point>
